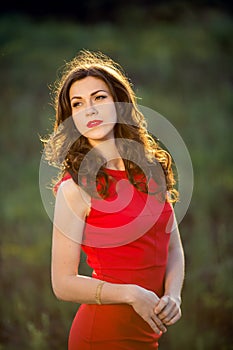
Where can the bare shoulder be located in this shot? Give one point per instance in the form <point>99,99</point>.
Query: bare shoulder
<point>73,196</point>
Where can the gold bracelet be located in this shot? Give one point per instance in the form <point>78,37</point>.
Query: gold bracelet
<point>98,292</point>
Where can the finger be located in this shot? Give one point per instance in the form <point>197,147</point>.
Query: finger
<point>173,319</point>
<point>170,316</point>
<point>168,312</point>
<point>159,323</point>
<point>154,326</point>
<point>161,304</point>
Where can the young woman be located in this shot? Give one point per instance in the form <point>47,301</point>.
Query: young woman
<point>113,201</point>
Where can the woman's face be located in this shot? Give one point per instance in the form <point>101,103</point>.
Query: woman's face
<point>93,109</point>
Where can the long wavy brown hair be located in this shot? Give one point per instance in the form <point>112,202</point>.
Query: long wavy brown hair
<point>70,150</point>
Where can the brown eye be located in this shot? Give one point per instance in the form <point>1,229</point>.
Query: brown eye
<point>100,97</point>
<point>76,104</point>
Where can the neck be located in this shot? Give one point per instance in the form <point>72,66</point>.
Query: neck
<point>110,152</point>
<point>116,164</point>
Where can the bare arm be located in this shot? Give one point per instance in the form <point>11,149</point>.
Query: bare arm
<point>168,308</point>
<point>175,267</point>
<point>69,222</point>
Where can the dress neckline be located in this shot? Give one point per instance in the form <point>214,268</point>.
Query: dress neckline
<point>115,171</point>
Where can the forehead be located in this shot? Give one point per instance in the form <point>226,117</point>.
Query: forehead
<point>87,86</point>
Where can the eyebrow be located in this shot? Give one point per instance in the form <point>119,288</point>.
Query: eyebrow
<point>92,94</point>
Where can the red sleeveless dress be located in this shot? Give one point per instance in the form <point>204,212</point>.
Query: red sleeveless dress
<point>126,240</point>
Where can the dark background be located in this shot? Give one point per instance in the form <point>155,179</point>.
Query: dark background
<point>113,11</point>
<point>179,58</point>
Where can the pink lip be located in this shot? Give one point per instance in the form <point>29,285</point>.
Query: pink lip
<point>93,123</point>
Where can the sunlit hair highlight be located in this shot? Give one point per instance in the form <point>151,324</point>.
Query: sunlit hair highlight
<point>131,125</point>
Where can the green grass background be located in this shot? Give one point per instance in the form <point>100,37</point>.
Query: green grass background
<point>183,70</point>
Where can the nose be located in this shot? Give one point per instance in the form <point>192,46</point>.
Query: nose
<point>90,110</point>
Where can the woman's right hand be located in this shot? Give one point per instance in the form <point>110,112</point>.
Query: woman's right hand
<point>144,301</point>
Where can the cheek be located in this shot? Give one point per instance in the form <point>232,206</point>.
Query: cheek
<point>110,113</point>
<point>78,122</point>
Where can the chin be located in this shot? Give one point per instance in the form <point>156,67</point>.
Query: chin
<point>99,135</point>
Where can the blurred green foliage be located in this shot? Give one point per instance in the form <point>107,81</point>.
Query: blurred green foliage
<point>181,69</point>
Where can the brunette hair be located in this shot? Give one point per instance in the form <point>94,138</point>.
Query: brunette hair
<point>68,148</point>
